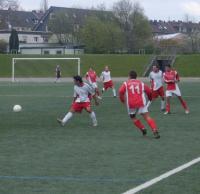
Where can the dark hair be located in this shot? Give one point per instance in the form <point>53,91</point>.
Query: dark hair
<point>156,66</point>
<point>168,65</point>
<point>78,78</point>
<point>132,74</point>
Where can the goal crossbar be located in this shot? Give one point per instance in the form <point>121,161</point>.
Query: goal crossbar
<point>15,59</point>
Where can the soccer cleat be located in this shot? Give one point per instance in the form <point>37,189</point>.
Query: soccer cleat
<point>156,135</point>
<point>187,111</point>
<point>95,124</point>
<point>167,112</point>
<point>99,97</point>
<point>144,132</point>
<point>60,122</point>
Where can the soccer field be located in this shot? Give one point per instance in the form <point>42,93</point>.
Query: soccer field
<point>39,156</point>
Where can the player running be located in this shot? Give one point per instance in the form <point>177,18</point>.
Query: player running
<point>58,73</point>
<point>171,78</point>
<point>107,81</point>
<point>91,77</point>
<point>132,92</point>
<point>82,100</point>
<point>156,80</point>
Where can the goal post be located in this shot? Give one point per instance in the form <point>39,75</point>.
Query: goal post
<point>14,61</point>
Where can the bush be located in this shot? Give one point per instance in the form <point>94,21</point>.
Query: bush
<point>3,46</point>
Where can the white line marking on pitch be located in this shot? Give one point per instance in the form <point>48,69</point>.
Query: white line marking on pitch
<point>161,177</point>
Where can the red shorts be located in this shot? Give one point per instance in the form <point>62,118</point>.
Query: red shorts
<point>159,92</point>
<point>78,107</point>
<point>108,84</point>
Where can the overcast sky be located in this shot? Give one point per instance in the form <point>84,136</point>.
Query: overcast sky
<point>154,9</point>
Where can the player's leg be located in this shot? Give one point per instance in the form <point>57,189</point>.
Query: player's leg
<point>67,117</point>
<point>154,95</point>
<point>151,122</point>
<point>114,91</point>
<point>168,108</point>
<point>97,91</point>
<point>111,85</point>
<point>162,96</point>
<point>138,123</point>
<point>184,104</point>
<point>92,115</point>
<point>168,97</point>
<point>104,87</point>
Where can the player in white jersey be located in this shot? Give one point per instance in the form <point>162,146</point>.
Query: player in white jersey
<point>156,79</point>
<point>107,81</point>
<point>83,93</point>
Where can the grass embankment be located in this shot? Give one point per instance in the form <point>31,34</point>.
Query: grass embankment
<point>119,64</point>
<point>187,65</point>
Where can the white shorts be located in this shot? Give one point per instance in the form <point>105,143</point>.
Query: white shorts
<point>176,92</point>
<point>142,110</point>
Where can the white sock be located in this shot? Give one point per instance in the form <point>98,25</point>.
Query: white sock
<point>114,92</point>
<point>67,117</point>
<point>162,104</point>
<point>149,103</point>
<point>93,117</point>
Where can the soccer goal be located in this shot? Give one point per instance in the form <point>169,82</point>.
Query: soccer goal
<point>29,68</point>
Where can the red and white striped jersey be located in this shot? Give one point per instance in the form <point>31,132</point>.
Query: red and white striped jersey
<point>156,80</point>
<point>133,92</point>
<point>170,78</point>
<point>91,77</point>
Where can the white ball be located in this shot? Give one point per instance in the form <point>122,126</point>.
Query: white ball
<point>17,108</point>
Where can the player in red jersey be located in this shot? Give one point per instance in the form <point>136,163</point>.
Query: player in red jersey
<point>156,80</point>
<point>171,78</point>
<point>82,91</point>
<point>132,92</point>
<point>107,81</point>
<point>91,77</point>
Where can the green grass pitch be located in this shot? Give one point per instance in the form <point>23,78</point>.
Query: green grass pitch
<point>39,156</point>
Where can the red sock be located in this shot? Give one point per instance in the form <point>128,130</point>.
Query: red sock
<point>167,107</point>
<point>152,124</point>
<point>183,103</point>
<point>139,125</point>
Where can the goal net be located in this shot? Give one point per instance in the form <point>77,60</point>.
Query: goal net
<point>30,68</point>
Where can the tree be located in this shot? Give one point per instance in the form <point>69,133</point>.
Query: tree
<point>193,33</point>
<point>61,25</point>
<point>100,36</point>
<point>14,42</point>
<point>9,4</point>
<point>134,24</point>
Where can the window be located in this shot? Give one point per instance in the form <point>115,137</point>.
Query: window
<point>45,39</point>
<point>46,52</point>
<point>24,39</point>
<point>35,39</point>
<point>52,16</point>
<point>59,52</point>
